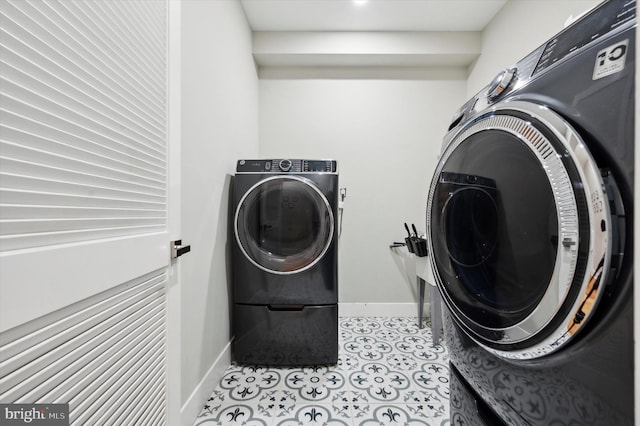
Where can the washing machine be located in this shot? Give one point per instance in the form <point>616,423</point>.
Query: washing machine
<point>285,262</point>
<point>530,226</point>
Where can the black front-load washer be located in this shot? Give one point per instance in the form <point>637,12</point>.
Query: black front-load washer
<point>285,262</point>
<point>530,223</point>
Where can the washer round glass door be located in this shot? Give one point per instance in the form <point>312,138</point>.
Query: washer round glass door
<point>519,230</point>
<point>284,224</point>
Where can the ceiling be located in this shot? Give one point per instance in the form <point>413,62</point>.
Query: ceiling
<point>368,33</point>
<point>371,15</point>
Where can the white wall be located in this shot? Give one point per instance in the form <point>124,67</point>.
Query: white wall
<point>386,135</point>
<point>519,28</point>
<point>219,125</point>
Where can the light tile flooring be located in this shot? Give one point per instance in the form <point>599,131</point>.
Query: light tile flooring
<point>388,373</point>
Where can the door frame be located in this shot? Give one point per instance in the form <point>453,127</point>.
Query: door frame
<point>174,312</point>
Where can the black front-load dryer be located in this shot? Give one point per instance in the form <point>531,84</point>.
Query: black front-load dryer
<point>529,221</point>
<point>285,262</point>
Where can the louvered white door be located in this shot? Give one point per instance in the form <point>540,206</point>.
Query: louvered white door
<point>84,213</point>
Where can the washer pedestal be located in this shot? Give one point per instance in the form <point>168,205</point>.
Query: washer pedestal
<point>285,335</point>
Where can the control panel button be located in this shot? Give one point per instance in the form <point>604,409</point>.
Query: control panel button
<point>285,165</point>
<point>500,83</point>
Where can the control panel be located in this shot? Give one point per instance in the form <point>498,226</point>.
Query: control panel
<point>607,18</point>
<point>287,166</point>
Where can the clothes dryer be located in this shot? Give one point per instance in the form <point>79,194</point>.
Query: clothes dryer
<point>285,262</point>
<point>530,228</point>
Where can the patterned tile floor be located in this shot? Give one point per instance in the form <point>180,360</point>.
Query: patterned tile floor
<point>388,373</point>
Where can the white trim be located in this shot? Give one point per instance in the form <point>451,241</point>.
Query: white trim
<point>380,309</point>
<point>174,295</point>
<point>444,73</point>
<point>192,406</point>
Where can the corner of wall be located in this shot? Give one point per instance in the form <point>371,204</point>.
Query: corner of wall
<point>194,403</point>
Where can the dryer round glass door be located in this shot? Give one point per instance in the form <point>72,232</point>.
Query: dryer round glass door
<point>284,224</point>
<point>519,230</point>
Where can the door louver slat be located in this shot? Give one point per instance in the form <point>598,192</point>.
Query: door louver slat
<point>106,358</point>
<point>82,121</point>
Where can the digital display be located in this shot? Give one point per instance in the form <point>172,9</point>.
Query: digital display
<point>316,166</point>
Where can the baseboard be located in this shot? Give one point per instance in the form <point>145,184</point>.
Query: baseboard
<point>192,407</point>
<point>380,309</point>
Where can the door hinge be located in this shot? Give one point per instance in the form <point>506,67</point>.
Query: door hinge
<point>177,249</point>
